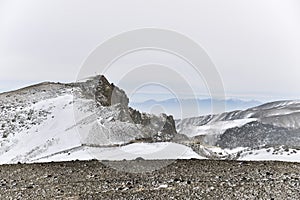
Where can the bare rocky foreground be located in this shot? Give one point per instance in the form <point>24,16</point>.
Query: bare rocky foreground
<point>183,179</point>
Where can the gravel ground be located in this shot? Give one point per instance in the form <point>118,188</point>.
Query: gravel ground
<point>183,179</point>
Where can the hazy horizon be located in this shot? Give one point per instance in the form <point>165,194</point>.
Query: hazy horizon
<point>152,95</point>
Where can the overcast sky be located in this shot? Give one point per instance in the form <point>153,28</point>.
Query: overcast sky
<point>255,44</point>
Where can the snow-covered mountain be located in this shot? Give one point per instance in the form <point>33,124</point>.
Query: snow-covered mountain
<point>91,119</point>
<point>82,120</point>
<point>270,131</point>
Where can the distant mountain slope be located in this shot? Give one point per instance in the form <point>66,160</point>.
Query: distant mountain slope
<point>282,113</point>
<point>269,126</point>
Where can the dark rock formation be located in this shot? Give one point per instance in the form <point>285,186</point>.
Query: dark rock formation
<point>137,117</point>
<point>163,125</point>
<point>169,129</point>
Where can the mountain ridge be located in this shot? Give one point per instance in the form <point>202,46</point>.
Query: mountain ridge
<point>92,119</point>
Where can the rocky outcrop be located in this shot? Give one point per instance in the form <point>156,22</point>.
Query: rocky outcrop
<point>107,94</point>
<point>168,130</point>
<point>155,128</point>
<point>159,128</point>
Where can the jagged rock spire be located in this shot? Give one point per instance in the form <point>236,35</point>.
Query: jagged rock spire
<point>108,94</point>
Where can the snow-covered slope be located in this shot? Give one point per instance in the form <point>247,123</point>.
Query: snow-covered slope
<point>161,150</point>
<point>213,128</point>
<point>44,121</point>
